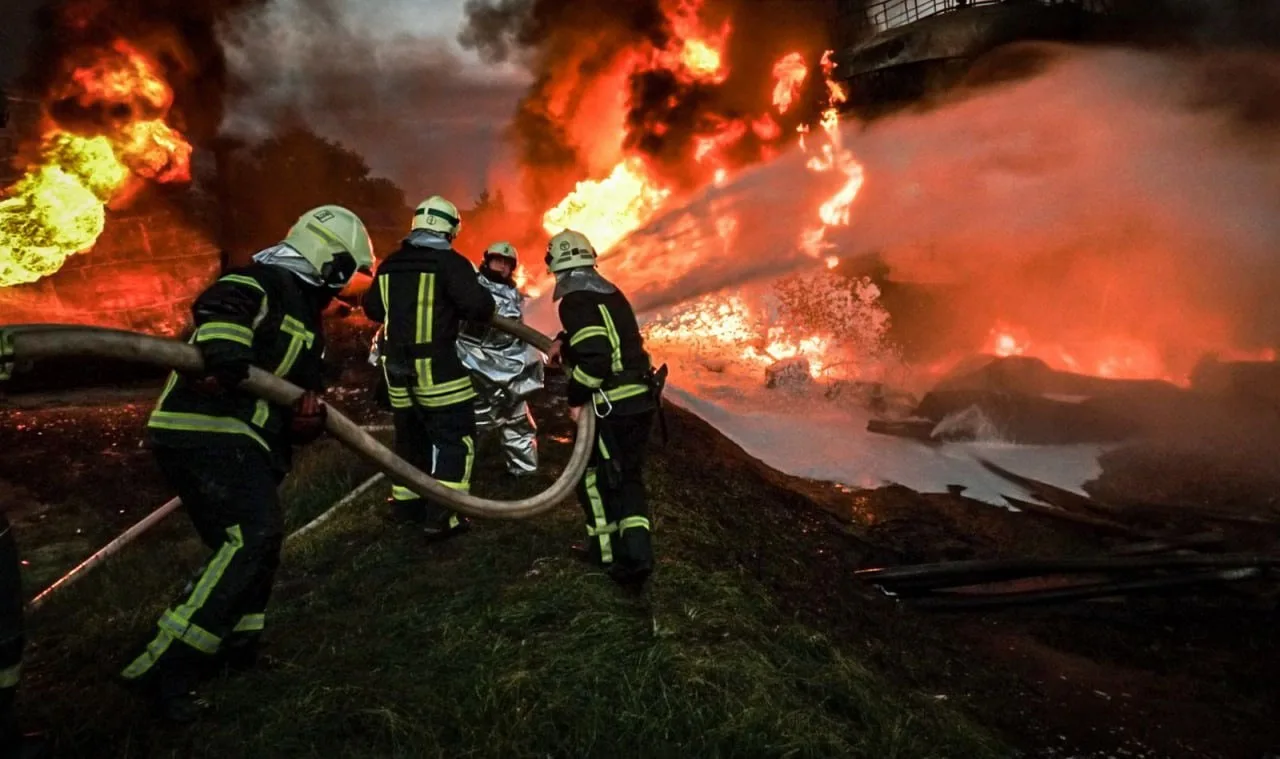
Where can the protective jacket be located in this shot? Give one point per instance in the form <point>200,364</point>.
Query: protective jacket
<point>261,315</point>
<point>603,345</point>
<point>505,372</point>
<point>421,293</point>
<point>502,359</point>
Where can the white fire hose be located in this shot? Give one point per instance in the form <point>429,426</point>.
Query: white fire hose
<point>22,344</point>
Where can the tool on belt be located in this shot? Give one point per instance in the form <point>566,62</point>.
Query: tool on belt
<point>656,379</point>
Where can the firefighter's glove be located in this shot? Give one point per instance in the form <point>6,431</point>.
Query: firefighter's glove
<point>555,353</point>
<point>309,414</point>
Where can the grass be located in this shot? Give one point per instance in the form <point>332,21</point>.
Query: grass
<point>499,644</point>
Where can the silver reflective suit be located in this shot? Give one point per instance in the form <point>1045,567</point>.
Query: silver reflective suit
<point>505,372</point>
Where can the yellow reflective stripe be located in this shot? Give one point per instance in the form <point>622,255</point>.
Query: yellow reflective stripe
<point>235,333</point>
<point>614,340</point>
<point>462,486</point>
<point>293,327</point>
<point>213,573</point>
<point>9,676</point>
<point>240,279</point>
<point>462,383</point>
<point>325,235</point>
<point>261,413</point>
<point>183,422</point>
<point>384,287</point>
<point>586,333</point>
<point>583,378</point>
<point>403,494</point>
<point>628,523</point>
<point>209,579</point>
<point>435,401</point>
<point>300,336</point>
<point>597,510</point>
<point>623,392</point>
<point>604,449</point>
<point>168,388</point>
<point>192,634</point>
<point>251,623</point>
<point>425,324</point>
<point>471,457</point>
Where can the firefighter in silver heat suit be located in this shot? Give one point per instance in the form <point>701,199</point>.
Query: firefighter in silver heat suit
<point>504,371</point>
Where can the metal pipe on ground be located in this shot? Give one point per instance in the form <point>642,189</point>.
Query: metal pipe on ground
<point>154,518</point>
<point>328,513</point>
<point>18,344</point>
<point>106,551</point>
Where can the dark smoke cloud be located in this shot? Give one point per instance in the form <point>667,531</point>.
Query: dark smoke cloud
<point>573,49</point>
<point>1234,23</point>
<point>406,102</point>
<point>180,34</point>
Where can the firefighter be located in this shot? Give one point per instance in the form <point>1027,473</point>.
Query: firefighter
<point>504,370</point>
<point>225,451</point>
<point>610,370</point>
<point>13,744</point>
<point>420,295</point>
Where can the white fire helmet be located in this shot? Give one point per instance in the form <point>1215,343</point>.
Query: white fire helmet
<point>503,250</point>
<point>437,215</point>
<point>335,241</point>
<point>569,250</point>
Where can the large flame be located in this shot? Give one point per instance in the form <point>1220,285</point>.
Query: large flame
<point>58,208</point>
<point>610,208</point>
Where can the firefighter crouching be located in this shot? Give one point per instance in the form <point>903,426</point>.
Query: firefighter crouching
<point>504,370</point>
<point>610,375</point>
<point>225,451</point>
<point>420,294</point>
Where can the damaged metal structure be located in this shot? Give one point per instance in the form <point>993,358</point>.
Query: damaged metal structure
<point>898,51</point>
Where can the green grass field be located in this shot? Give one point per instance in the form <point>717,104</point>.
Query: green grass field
<point>498,644</point>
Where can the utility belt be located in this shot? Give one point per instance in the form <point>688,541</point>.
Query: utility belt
<point>400,359</point>
<point>655,380</point>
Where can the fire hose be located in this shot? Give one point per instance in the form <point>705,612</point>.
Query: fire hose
<point>30,343</point>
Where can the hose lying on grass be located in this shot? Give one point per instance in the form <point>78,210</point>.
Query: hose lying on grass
<point>20,344</point>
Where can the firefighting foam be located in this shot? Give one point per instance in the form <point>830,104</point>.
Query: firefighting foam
<point>58,208</point>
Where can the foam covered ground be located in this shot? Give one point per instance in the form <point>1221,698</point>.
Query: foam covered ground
<point>801,433</point>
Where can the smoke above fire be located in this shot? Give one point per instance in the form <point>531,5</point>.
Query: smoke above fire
<point>1116,202</point>
<point>677,86</point>
<point>382,79</point>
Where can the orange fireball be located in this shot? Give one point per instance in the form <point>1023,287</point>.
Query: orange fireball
<point>58,208</point>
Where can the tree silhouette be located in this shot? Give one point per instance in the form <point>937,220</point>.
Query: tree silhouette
<point>267,186</point>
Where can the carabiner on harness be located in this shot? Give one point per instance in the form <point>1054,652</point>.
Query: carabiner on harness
<point>608,403</point>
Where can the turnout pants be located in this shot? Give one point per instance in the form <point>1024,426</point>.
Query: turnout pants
<point>499,409</point>
<point>11,631</point>
<point>441,442</point>
<point>612,491</point>
<point>231,495</point>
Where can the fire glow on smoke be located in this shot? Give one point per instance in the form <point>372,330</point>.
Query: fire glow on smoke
<point>58,208</point>
<point>609,209</point>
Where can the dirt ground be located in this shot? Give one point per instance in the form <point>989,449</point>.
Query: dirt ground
<point>1183,676</point>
